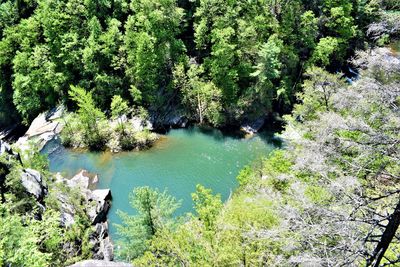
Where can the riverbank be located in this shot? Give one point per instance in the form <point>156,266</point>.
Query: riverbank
<point>178,161</point>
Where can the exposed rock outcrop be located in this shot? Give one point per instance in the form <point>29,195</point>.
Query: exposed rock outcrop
<point>175,119</point>
<point>98,203</point>
<point>33,183</point>
<point>252,127</point>
<point>5,148</point>
<point>140,124</point>
<point>43,128</point>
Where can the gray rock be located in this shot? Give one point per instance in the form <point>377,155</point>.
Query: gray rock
<point>5,148</point>
<point>67,217</point>
<point>106,249</point>
<point>176,120</point>
<point>139,124</point>
<point>253,127</point>
<point>100,263</point>
<point>33,184</point>
<point>43,129</point>
<point>8,132</point>
<point>100,204</point>
<point>80,180</point>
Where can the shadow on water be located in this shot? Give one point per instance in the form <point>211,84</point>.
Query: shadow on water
<point>267,133</point>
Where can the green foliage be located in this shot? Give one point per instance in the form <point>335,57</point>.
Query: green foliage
<point>325,49</point>
<point>201,97</point>
<point>318,194</point>
<point>90,118</point>
<point>155,212</point>
<point>318,90</point>
<point>135,48</point>
<point>245,176</point>
<point>18,244</point>
<point>207,206</point>
<point>119,107</point>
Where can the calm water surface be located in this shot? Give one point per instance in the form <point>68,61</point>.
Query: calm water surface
<point>177,162</point>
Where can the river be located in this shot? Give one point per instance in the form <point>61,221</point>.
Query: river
<point>179,161</point>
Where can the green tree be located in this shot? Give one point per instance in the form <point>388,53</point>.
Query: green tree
<point>19,244</point>
<point>207,206</point>
<point>155,211</point>
<point>203,98</point>
<point>324,51</point>
<point>90,117</point>
<point>119,107</point>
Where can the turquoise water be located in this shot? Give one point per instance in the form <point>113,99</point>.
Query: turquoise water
<point>178,162</point>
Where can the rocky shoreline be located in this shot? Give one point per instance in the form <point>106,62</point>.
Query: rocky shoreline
<point>96,203</point>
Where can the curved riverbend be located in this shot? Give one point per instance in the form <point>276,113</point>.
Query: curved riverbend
<point>178,161</point>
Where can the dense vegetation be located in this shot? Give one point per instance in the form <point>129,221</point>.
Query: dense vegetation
<point>331,198</point>
<point>31,229</point>
<point>222,62</point>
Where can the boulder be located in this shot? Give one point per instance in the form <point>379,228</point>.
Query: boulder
<point>84,180</point>
<point>252,127</point>
<point>139,124</point>
<point>102,246</point>
<point>8,132</point>
<point>33,183</point>
<point>67,216</point>
<point>176,120</point>
<point>100,263</point>
<point>5,148</point>
<point>106,250</point>
<point>99,205</point>
<point>80,180</point>
<point>43,128</point>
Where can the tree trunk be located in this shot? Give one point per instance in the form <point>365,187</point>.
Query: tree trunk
<point>199,108</point>
<point>386,239</point>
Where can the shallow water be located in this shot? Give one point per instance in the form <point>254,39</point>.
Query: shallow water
<point>178,161</point>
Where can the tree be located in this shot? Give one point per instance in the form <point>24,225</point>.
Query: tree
<point>324,50</point>
<point>155,211</point>
<point>267,71</point>
<point>207,206</point>
<point>119,107</point>
<point>19,244</point>
<point>203,97</point>
<point>349,152</point>
<point>319,88</point>
<point>90,117</point>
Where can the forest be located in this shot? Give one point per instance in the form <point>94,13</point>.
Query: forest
<point>327,70</point>
<point>221,62</point>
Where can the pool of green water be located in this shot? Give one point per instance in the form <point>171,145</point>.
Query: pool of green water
<point>177,162</point>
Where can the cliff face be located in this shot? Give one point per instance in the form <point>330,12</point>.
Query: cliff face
<point>72,199</point>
